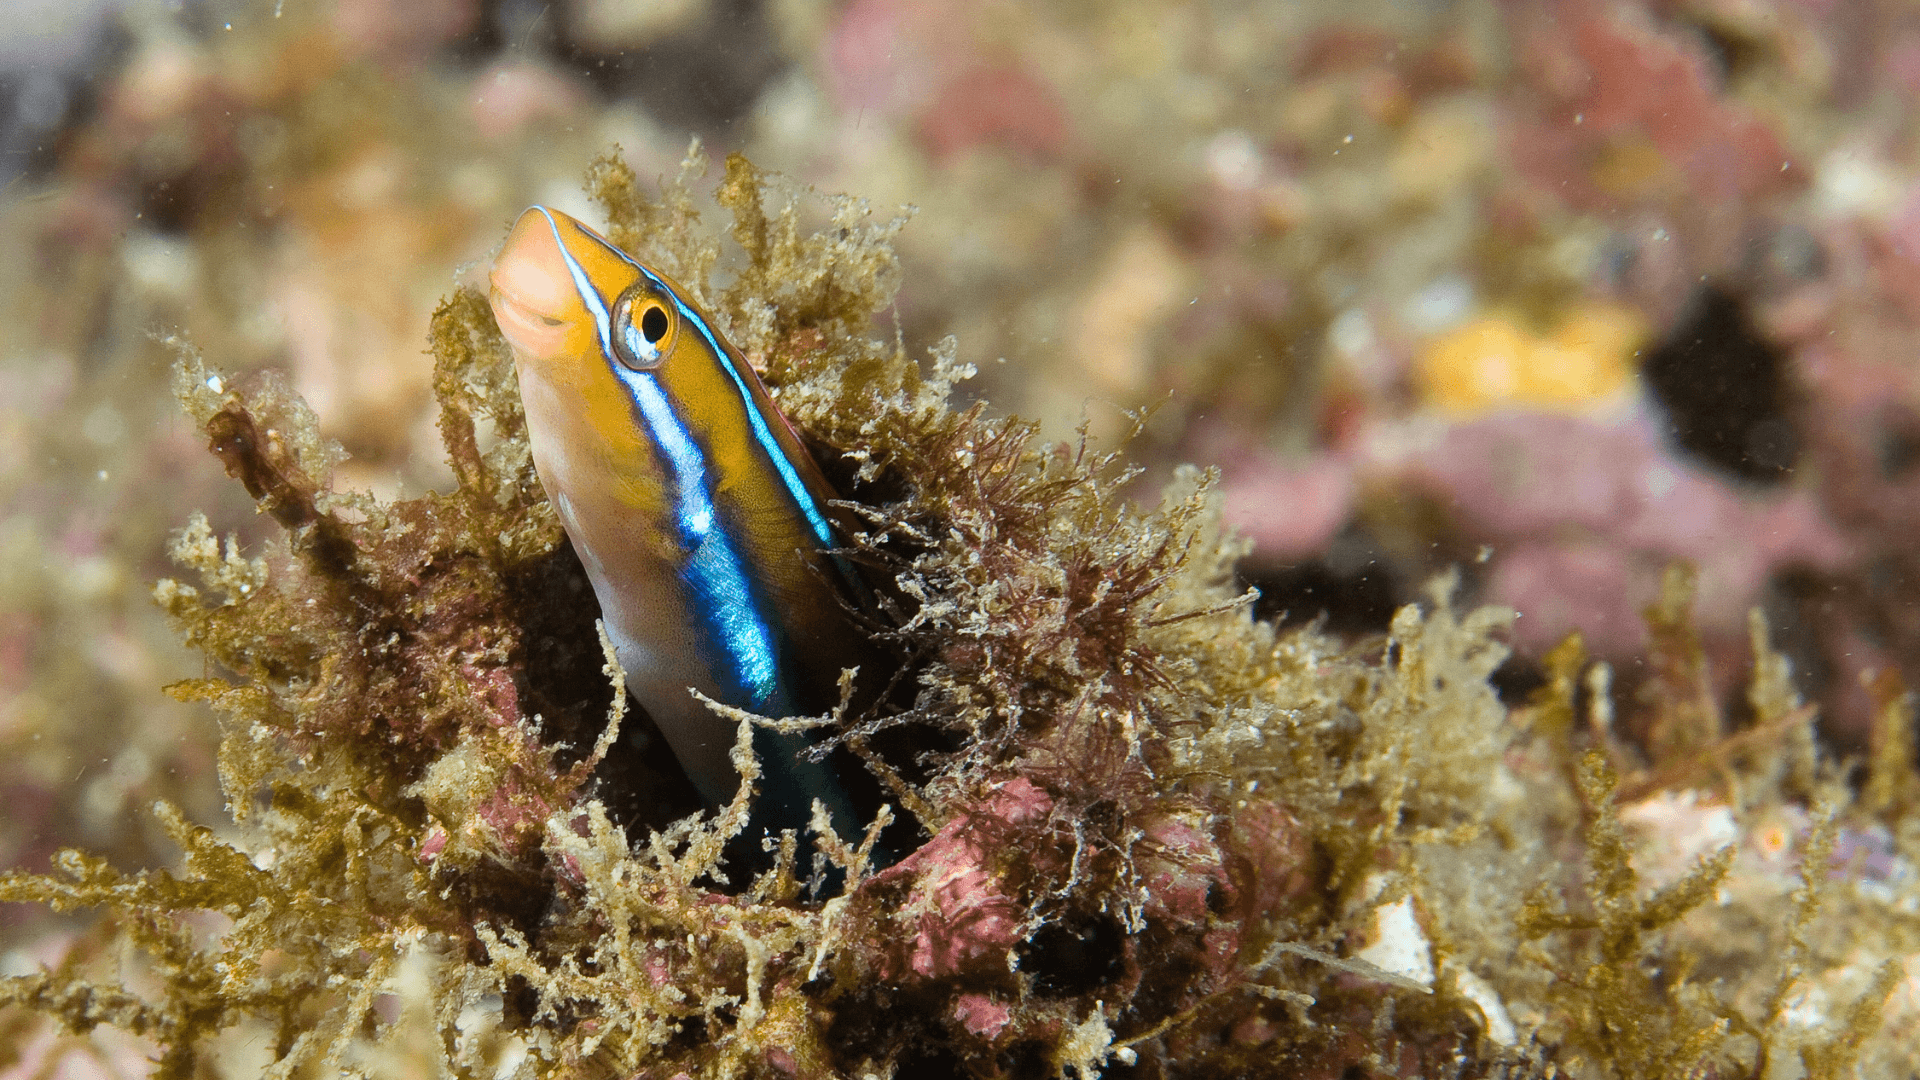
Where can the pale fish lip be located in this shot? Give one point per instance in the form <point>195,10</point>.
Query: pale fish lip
<point>525,328</point>
<point>529,276</point>
<point>500,296</point>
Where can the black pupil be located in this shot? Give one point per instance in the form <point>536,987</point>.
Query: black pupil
<point>653,325</point>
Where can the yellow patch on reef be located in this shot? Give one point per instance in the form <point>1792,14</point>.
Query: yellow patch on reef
<point>1499,360</point>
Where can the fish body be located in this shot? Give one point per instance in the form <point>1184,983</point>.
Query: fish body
<point>700,518</point>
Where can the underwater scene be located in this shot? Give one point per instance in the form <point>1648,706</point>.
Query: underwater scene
<point>896,539</point>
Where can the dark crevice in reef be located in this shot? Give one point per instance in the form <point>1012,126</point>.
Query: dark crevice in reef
<point>1070,959</point>
<point>933,1063</point>
<point>1725,389</point>
<point>1517,679</point>
<point>1355,591</point>
<point>1733,55</point>
<point>889,683</point>
<point>564,682</point>
<point>880,1020</point>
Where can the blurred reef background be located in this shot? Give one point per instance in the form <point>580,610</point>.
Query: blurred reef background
<point>1602,314</point>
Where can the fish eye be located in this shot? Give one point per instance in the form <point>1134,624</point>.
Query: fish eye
<point>653,324</point>
<point>637,341</point>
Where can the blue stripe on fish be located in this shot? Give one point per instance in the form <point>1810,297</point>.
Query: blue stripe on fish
<point>582,284</point>
<point>762,434</point>
<point>730,610</point>
<point>713,565</point>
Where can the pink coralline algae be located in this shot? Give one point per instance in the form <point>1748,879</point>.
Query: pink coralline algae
<point>1290,509</point>
<point>1182,869</point>
<point>958,903</point>
<point>1584,514</point>
<point>512,96</point>
<point>1644,82</point>
<point>1274,859</point>
<point>994,106</point>
<point>981,1015</point>
<point>1580,515</point>
<point>871,63</point>
<point>900,60</point>
<point>1621,83</point>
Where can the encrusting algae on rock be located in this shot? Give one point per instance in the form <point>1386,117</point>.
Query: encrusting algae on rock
<point>1495,361</point>
<point>1150,835</point>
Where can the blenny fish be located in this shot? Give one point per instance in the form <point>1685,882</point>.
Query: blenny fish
<point>699,516</point>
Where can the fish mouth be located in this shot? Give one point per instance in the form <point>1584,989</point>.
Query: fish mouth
<point>532,293</point>
<point>501,295</point>
<point>524,318</point>
<point>526,329</point>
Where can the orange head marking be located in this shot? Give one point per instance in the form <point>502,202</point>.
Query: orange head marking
<point>553,284</point>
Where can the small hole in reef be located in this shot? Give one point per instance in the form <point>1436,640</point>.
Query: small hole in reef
<point>519,1002</point>
<point>1028,1057</point>
<point>640,781</point>
<point>1071,958</point>
<point>1732,55</point>
<point>1351,586</point>
<point>1725,389</point>
<point>1517,679</point>
<point>933,1063</point>
<point>653,324</point>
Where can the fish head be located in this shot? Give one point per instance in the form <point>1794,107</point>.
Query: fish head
<point>567,299</point>
<point>554,287</point>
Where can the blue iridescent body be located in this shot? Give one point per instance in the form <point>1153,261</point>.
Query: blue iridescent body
<point>700,518</point>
